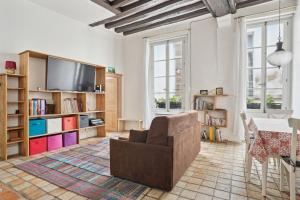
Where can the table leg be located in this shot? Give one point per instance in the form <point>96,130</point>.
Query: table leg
<point>264,177</point>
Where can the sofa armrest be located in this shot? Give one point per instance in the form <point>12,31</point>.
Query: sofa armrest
<point>143,163</point>
<point>138,136</point>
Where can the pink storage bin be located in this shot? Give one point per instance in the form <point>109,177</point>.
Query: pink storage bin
<point>69,138</point>
<point>54,142</point>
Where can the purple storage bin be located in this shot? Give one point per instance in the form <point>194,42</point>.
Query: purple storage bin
<point>70,138</point>
<point>54,142</point>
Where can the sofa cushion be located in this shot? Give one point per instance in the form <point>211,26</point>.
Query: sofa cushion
<point>138,136</point>
<point>158,132</point>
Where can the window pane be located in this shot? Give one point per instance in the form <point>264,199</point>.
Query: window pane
<point>254,78</point>
<point>254,57</point>
<point>160,100</point>
<point>254,37</point>
<point>274,78</point>
<point>160,52</point>
<point>253,98</point>
<point>159,68</point>
<point>175,67</point>
<point>175,49</point>
<point>272,33</point>
<point>274,98</point>
<point>175,84</point>
<point>176,101</point>
<point>160,85</point>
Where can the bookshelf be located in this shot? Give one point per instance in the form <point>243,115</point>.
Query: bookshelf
<point>24,93</point>
<point>211,117</point>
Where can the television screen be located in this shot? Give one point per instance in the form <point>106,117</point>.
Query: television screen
<point>70,75</point>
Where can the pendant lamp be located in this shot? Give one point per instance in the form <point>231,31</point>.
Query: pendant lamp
<point>280,57</point>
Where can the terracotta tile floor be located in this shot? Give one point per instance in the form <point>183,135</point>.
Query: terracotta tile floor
<point>216,173</point>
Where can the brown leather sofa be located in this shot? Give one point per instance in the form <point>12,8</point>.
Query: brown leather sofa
<point>157,157</point>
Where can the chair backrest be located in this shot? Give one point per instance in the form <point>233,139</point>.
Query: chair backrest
<point>247,134</point>
<point>295,124</point>
<point>279,114</point>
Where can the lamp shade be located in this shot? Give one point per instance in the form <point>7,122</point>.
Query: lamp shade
<point>10,65</point>
<point>280,57</point>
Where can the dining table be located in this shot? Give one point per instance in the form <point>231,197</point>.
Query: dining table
<point>271,140</point>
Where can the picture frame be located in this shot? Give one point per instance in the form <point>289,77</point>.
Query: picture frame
<point>203,92</point>
<point>219,91</point>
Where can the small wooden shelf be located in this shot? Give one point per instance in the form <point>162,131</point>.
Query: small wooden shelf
<point>89,127</point>
<point>211,95</point>
<point>15,102</point>
<point>15,141</point>
<point>14,115</point>
<point>64,114</point>
<point>14,128</point>
<point>65,91</point>
<point>48,134</point>
<point>13,75</point>
<point>15,88</point>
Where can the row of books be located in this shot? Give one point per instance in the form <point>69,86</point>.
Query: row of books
<point>200,104</point>
<point>212,121</point>
<point>72,105</point>
<point>37,106</point>
<point>213,134</point>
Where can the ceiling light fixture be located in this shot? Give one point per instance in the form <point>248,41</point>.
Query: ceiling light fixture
<point>280,57</point>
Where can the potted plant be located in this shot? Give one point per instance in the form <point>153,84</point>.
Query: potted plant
<point>160,103</point>
<point>175,102</point>
<point>251,104</point>
<point>271,103</point>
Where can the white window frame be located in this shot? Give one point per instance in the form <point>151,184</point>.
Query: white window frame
<point>287,70</point>
<point>166,41</point>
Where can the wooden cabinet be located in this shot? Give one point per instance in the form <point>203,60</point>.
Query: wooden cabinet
<point>113,103</point>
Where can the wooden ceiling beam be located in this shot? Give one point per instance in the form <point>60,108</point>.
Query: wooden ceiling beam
<point>134,5</point>
<point>218,8</point>
<point>251,3</point>
<point>106,4</point>
<point>119,3</point>
<point>161,16</point>
<point>144,6</point>
<point>232,5</point>
<point>169,21</point>
<point>148,12</point>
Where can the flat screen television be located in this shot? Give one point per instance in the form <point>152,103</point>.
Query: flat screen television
<point>69,75</point>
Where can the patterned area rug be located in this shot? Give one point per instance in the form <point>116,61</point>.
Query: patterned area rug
<point>85,171</point>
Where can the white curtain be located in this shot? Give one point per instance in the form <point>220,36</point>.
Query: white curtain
<point>148,111</point>
<point>239,72</point>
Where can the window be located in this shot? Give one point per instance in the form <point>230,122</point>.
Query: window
<point>168,75</point>
<point>267,86</point>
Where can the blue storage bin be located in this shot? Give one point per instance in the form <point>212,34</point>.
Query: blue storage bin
<point>37,127</point>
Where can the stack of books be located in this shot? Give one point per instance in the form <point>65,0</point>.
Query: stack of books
<point>200,104</point>
<point>212,121</point>
<point>37,107</point>
<point>72,105</point>
<point>213,134</point>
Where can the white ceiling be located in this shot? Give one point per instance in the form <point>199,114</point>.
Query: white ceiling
<point>82,10</point>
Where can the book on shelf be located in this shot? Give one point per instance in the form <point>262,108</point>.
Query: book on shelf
<point>213,134</point>
<point>72,105</point>
<point>201,104</point>
<point>37,106</point>
<point>214,121</point>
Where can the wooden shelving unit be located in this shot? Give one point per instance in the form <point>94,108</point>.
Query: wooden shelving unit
<point>211,115</point>
<point>22,105</point>
<point>13,134</point>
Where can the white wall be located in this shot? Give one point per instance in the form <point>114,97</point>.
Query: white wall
<point>27,26</point>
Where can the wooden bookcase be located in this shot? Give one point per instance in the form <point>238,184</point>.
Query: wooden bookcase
<point>206,107</point>
<point>24,94</point>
